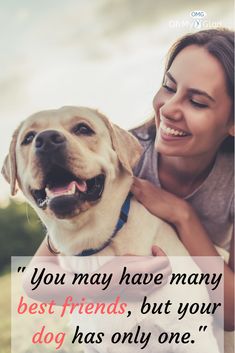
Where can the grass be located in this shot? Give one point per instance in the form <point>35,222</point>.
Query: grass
<point>5,322</point>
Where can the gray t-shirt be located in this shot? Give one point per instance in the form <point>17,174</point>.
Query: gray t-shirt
<point>213,200</point>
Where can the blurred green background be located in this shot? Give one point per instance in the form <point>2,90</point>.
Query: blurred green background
<point>21,232</point>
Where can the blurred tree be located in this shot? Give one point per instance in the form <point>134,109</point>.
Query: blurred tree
<point>21,232</point>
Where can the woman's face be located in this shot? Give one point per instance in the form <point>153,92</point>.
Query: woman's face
<point>193,110</point>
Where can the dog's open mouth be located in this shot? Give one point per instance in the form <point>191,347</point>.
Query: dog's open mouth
<point>61,186</point>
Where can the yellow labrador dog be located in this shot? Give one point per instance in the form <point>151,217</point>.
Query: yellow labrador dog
<point>75,169</point>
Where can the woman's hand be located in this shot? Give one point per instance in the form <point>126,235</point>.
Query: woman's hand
<point>128,267</point>
<point>158,265</point>
<point>159,202</point>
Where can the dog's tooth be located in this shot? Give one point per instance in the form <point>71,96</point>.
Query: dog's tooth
<point>70,191</point>
<point>81,186</point>
<point>44,202</point>
<point>73,189</point>
<point>48,192</point>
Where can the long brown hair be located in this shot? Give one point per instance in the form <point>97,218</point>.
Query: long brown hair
<point>220,44</point>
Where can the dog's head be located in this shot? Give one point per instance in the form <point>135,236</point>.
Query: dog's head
<point>63,160</point>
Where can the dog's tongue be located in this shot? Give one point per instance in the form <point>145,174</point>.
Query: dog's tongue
<point>69,189</point>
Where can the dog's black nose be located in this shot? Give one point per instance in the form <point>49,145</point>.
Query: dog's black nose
<point>49,140</point>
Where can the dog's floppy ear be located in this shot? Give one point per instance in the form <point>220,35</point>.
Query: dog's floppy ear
<point>125,144</point>
<point>9,170</point>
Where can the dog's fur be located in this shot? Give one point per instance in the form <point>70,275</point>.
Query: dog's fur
<point>111,151</point>
<point>75,225</point>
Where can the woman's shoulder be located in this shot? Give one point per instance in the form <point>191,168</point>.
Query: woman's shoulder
<point>225,165</point>
<point>220,181</point>
<point>218,189</point>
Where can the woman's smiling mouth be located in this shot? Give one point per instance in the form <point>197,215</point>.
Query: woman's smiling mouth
<point>170,132</point>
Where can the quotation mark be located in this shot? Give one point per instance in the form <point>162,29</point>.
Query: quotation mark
<point>202,328</point>
<point>21,269</point>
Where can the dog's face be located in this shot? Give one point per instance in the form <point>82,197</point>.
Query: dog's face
<point>64,160</point>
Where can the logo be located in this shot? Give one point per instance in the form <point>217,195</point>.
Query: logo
<point>198,14</point>
<point>197,21</point>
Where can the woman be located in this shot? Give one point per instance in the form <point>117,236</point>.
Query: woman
<point>188,162</point>
<point>188,149</point>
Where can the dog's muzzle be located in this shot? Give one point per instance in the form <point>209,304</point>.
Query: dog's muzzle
<point>62,191</point>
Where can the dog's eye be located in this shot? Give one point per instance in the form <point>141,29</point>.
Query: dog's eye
<point>82,129</point>
<point>28,138</point>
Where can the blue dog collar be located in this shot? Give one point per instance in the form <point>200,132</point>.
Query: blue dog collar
<point>121,221</point>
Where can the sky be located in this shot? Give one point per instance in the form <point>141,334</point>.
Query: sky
<point>106,54</point>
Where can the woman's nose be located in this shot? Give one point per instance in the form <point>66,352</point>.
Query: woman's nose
<point>172,108</point>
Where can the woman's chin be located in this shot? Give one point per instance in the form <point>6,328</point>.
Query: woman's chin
<point>166,149</point>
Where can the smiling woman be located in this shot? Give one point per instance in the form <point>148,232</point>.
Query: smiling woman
<point>193,105</point>
<point>188,149</point>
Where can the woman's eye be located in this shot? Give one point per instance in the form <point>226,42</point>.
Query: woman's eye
<point>168,88</point>
<point>198,105</point>
<point>82,129</point>
<point>28,138</point>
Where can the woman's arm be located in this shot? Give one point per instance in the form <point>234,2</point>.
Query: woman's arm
<point>196,240</point>
<point>231,257</point>
<point>43,258</point>
<point>191,232</point>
